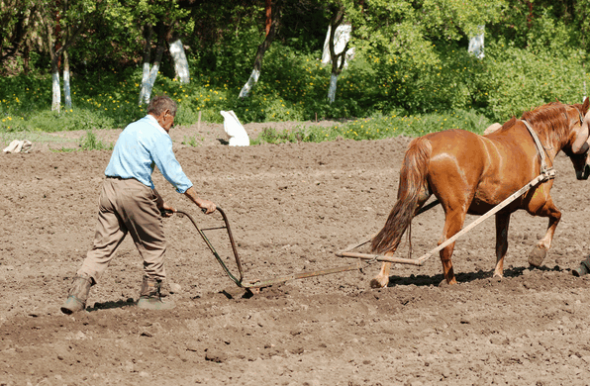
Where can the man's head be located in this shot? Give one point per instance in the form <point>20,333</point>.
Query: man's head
<point>164,110</point>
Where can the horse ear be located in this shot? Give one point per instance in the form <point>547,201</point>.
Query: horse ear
<point>557,100</point>
<point>585,106</point>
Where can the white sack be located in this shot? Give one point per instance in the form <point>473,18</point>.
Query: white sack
<point>235,130</point>
<point>17,146</point>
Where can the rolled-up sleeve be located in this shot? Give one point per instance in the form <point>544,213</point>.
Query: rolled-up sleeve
<point>166,162</point>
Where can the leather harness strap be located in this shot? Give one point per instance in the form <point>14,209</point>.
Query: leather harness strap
<point>548,172</point>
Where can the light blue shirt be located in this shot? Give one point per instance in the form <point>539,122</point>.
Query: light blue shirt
<point>142,145</point>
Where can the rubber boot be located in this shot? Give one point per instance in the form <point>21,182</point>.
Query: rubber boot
<point>583,269</point>
<point>78,295</point>
<point>150,298</point>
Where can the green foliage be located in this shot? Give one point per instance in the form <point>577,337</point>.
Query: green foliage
<point>91,142</point>
<point>379,127</point>
<point>411,60</point>
<point>192,141</point>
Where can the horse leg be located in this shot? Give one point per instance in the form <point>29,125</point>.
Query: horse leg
<point>502,223</point>
<point>539,251</point>
<point>382,279</point>
<point>453,224</point>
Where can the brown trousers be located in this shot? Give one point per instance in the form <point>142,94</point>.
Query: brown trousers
<point>127,206</point>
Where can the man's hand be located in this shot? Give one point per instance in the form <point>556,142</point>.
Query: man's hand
<point>203,204</point>
<point>167,210</point>
<point>207,205</point>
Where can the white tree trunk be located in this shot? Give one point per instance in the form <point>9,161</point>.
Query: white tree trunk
<point>144,79</point>
<point>56,101</point>
<point>180,61</point>
<point>476,43</point>
<point>67,95</point>
<point>149,83</point>
<point>248,86</point>
<point>332,89</point>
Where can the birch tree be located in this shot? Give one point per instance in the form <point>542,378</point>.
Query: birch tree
<point>147,35</point>
<point>271,27</point>
<point>153,71</point>
<point>337,59</point>
<point>69,17</point>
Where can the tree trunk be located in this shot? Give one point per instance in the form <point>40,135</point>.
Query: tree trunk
<point>332,89</point>
<point>155,68</point>
<point>180,61</point>
<point>147,33</point>
<point>67,95</point>
<point>338,60</point>
<point>272,30</point>
<point>56,95</point>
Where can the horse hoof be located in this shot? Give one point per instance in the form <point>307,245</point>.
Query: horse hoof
<point>537,256</point>
<point>380,282</point>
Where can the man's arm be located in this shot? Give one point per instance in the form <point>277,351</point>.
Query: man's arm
<point>203,204</point>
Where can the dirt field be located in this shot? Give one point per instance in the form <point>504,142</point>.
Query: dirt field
<point>291,207</point>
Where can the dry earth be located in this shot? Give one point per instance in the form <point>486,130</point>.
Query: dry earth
<point>291,207</point>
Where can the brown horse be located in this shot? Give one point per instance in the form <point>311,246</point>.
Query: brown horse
<point>469,173</point>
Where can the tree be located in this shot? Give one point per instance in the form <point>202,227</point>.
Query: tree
<point>16,24</point>
<point>62,23</point>
<point>337,59</point>
<point>272,12</point>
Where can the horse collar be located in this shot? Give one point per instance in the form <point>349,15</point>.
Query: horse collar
<point>539,146</point>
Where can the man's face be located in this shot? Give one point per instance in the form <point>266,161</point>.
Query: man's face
<point>166,120</point>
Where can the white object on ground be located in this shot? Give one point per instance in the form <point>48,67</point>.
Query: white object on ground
<point>180,61</point>
<point>341,37</point>
<point>18,146</point>
<point>476,43</point>
<point>235,130</point>
<point>250,83</point>
<point>492,128</point>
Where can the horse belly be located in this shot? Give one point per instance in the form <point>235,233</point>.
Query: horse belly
<point>479,207</point>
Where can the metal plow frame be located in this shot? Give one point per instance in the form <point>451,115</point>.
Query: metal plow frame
<point>252,286</point>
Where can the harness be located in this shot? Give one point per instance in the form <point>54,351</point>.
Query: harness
<point>547,172</point>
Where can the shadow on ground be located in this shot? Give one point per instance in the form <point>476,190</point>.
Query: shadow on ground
<point>464,277</point>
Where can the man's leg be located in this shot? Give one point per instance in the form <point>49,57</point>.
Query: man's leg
<point>110,232</point>
<point>144,222</point>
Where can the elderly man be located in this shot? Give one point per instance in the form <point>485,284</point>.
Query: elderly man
<point>129,203</point>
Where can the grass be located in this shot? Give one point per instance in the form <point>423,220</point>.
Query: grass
<point>379,127</point>
<point>91,142</point>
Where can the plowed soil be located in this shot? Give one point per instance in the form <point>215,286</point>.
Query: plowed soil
<point>291,208</point>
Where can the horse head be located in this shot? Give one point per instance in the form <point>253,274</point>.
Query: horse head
<point>578,141</point>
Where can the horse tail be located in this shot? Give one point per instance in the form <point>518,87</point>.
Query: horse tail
<point>412,180</point>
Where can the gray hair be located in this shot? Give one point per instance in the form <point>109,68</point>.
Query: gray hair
<point>160,104</point>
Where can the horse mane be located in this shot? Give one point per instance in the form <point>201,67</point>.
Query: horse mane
<point>549,121</point>
<point>509,124</point>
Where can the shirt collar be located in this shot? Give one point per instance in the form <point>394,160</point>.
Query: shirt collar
<point>154,122</point>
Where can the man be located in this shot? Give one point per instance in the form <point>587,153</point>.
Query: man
<point>129,203</point>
